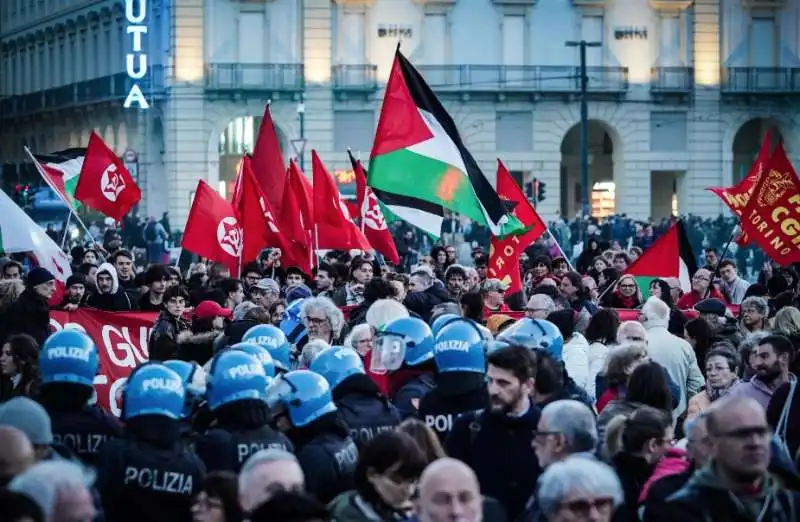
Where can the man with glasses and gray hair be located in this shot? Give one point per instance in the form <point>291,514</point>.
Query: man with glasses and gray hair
<point>265,473</point>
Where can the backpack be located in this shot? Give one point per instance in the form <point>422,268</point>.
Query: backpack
<point>150,233</point>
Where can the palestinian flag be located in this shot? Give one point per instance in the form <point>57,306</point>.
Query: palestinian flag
<point>669,256</point>
<point>428,217</point>
<point>61,171</point>
<point>418,152</point>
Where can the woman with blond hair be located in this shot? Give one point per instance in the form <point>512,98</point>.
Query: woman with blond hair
<point>626,295</point>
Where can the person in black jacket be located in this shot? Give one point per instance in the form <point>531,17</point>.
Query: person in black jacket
<point>497,442</point>
<point>150,474</point>
<point>30,313</point>
<point>423,294</point>
<point>163,342</point>
<point>236,399</point>
<point>108,297</point>
<point>302,406</point>
<point>363,407</point>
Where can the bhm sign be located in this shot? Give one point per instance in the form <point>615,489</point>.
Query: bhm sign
<point>136,60</point>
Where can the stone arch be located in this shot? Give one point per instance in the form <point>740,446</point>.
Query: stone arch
<point>605,152</point>
<point>223,158</point>
<point>743,142</point>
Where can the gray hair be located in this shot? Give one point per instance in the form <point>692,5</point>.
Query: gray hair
<point>759,304</point>
<point>749,343</point>
<point>426,276</point>
<point>311,350</point>
<point>242,308</point>
<point>44,481</point>
<point>656,312</point>
<point>384,311</point>
<point>260,457</point>
<point>355,333</point>
<point>626,328</point>
<point>328,308</point>
<point>543,301</point>
<point>575,421</point>
<point>577,476</point>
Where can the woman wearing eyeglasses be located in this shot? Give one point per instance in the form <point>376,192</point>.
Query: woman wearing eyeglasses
<point>579,489</point>
<point>625,295</point>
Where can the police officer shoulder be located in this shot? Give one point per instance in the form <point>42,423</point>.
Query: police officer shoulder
<point>68,364</point>
<point>302,405</point>
<point>364,409</point>
<point>236,393</point>
<point>150,474</point>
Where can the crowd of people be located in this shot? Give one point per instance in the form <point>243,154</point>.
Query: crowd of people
<point>423,392</point>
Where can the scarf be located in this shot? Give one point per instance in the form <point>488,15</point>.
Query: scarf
<point>716,393</point>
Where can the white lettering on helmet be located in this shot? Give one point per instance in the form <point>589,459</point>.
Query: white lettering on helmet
<point>245,370</point>
<point>69,352</point>
<point>452,346</point>
<point>266,340</point>
<point>160,383</point>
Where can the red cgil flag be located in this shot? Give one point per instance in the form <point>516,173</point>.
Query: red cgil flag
<point>268,165</point>
<point>212,229</point>
<point>504,252</point>
<point>369,211</point>
<point>334,227</point>
<point>293,225</point>
<point>104,183</point>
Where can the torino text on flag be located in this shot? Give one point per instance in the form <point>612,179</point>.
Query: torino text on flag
<point>136,60</point>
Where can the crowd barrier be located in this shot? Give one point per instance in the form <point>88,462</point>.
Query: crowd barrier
<point>121,339</point>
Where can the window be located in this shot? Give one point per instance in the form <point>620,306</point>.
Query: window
<point>763,44</point>
<point>670,41</point>
<point>433,35</point>
<point>352,48</point>
<point>592,31</point>
<point>668,131</point>
<point>354,130</point>
<point>513,40</point>
<point>514,131</point>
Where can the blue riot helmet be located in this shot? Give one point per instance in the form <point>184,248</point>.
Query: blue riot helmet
<point>194,380</point>
<point>336,364</point>
<point>153,389</point>
<point>535,334</point>
<point>440,321</point>
<point>459,347</point>
<point>292,326</point>
<point>259,352</point>
<point>302,395</point>
<point>69,356</point>
<point>405,340</point>
<point>274,340</point>
<point>235,375</point>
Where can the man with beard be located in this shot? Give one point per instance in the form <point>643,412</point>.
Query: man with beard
<point>498,443</point>
<point>770,359</point>
<point>109,296</point>
<point>74,293</point>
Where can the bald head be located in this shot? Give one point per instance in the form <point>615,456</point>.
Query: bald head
<point>448,490</point>
<point>16,453</point>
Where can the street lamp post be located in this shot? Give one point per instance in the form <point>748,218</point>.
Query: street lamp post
<point>584,79</point>
<point>301,113</point>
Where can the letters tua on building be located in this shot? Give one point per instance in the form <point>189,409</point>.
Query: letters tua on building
<point>680,92</point>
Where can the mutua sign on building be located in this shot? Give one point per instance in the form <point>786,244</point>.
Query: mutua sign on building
<point>136,59</point>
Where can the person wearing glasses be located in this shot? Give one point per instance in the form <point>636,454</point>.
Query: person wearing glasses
<point>579,489</point>
<point>702,288</point>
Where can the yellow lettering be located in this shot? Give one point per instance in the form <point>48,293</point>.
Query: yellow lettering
<point>790,227</point>
<point>778,213</point>
<point>795,200</point>
<point>508,251</point>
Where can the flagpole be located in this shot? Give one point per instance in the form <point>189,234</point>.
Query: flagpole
<point>47,180</point>
<point>66,230</point>
<point>561,251</point>
<point>735,232</point>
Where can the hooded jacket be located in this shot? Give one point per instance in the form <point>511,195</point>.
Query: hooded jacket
<point>114,301</point>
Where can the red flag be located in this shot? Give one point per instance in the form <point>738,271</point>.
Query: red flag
<point>212,229</point>
<point>295,231</point>
<point>268,165</point>
<point>737,196</point>
<point>104,183</point>
<point>773,211</point>
<point>504,253</point>
<point>302,192</point>
<point>372,221</point>
<point>335,229</point>
<point>255,214</point>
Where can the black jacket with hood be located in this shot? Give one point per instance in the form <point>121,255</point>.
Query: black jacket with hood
<point>116,300</point>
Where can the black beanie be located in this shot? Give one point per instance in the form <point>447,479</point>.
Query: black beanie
<point>38,276</point>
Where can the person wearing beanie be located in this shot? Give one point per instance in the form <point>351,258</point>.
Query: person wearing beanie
<point>30,314</point>
<point>74,293</point>
<point>29,417</point>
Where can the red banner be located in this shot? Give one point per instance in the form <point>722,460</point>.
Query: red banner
<point>121,340</point>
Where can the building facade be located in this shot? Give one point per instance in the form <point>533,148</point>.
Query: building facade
<point>680,92</point>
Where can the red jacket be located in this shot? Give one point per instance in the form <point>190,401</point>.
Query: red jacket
<point>675,461</point>
<point>690,299</point>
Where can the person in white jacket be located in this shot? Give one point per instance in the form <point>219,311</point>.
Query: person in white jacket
<point>671,352</point>
<point>601,334</point>
<point>576,348</point>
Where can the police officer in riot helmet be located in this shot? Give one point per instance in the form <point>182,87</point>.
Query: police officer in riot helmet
<point>274,341</point>
<point>68,364</point>
<point>194,380</point>
<point>150,474</point>
<point>409,341</point>
<point>302,406</point>
<point>236,389</point>
<point>363,407</point>
<point>459,354</point>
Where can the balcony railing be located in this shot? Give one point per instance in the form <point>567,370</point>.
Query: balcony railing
<point>672,80</point>
<point>352,77</point>
<point>761,80</point>
<point>255,77</point>
<point>523,78</point>
<point>98,90</point>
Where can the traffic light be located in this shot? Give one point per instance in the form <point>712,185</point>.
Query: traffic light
<point>540,194</point>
